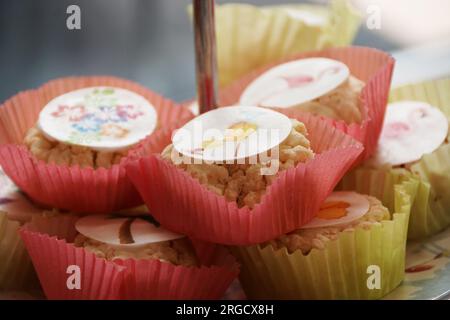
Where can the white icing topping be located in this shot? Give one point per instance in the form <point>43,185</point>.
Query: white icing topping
<point>232,133</point>
<point>107,229</point>
<point>293,83</point>
<point>101,118</point>
<point>358,206</point>
<point>411,129</point>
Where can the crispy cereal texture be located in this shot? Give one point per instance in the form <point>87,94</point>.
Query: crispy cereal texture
<point>70,155</point>
<point>307,239</point>
<point>244,183</point>
<point>177,252</point>
<point>340,104</point>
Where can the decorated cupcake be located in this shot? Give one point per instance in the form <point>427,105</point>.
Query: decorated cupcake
<point>243,182</point>
<point>321,86</point>
<point>91,127</point>
<point>415,143</point>
<point>259,35</point>
<point>343,211</point>
<point>116,257</point>
<point>67,149</point>
<point>260,172</point>
<point>353,249</point>
<point>347,87</point>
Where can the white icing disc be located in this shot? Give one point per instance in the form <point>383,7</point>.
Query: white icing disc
<point>145,232</point>
<point>107,229</point>
<point>232,133</point>
<point>101,118</point>
<point>341,207</point>
<point>293,83</point>
<point>102,228</point>
<point>411,129</point>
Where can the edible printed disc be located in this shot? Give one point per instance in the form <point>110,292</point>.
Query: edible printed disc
<point>232,133</point>
<point>293,83</point>
<point>101,118</point>
<point>102,228</point>
<point>144,232</point>
<point>341,207</point>
<point>108,229</point>
<point>411,129</point>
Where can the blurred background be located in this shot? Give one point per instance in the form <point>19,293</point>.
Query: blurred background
<point>151,41</point>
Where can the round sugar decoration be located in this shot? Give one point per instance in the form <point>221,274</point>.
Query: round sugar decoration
<point>232,133</point>
<point>411,129</point>
<point>123,231</point>
<point>144,232</point>
<point>293,83</point>
<point>101,118</point>
<point>341,207</point>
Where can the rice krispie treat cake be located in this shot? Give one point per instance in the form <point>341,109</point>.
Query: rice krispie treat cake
<point>244,183</point>
<point>346,87</point>
<point>91,127</point>
<point>65,143</point>
<point>415,143</point>
<point>321,86</point>
<point>309,238</point>
<point>102,257</point>
<point>353,249</point>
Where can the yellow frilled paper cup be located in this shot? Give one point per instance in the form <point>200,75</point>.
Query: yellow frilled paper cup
<point>345,267</point>
<point>249,37</point>
<point>430,212</point>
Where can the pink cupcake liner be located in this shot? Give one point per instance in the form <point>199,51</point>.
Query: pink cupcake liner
<point>47,244</point>
<point>372,66</point>
<point>71,187</point>
<point>51,257</point>
<point>180,203</point>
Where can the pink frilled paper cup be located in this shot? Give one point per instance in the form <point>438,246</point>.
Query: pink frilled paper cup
<point>55,259</point>
<point>372,66</point>
<point>180,203</point>
<point>71,187</point>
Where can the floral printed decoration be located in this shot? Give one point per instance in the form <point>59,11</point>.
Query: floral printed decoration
<point>98,115</point>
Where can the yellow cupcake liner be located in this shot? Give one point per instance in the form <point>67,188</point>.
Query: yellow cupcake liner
<point>431,210</point>
<point>342,20</point>
<point>340,270</point>
<point>16,269</point>
<point>249,37</point>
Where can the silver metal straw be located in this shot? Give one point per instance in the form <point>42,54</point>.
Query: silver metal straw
<point>205,54</point>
